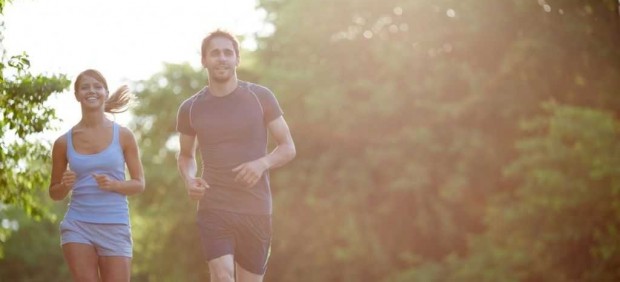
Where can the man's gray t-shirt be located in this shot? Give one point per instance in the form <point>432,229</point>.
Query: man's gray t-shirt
<point>231,130</point>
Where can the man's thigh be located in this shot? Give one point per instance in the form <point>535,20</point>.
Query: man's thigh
<point>246,237</point>
<point>216,234</point>
<point>253,237</point>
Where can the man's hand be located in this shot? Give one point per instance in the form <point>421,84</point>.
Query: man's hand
<point>196,188</point>
<point>249,173</point>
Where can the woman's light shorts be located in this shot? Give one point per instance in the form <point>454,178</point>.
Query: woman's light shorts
<point>108,239</point>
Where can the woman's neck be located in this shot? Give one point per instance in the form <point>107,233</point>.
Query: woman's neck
<point>93,119</point>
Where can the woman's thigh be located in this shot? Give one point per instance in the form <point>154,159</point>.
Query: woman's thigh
<point>82,260</point>
<point>115,268</point>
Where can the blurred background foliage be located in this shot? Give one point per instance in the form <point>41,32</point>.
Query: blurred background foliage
<point>447,140</point>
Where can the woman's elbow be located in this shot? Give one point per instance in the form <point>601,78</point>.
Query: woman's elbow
<point>54,196</point>
<point>141,186</point>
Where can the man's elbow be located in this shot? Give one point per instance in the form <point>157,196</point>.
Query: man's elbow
<point>184,156</point>
<point>292,152</point>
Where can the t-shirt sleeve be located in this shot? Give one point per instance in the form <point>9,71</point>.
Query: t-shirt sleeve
<point>270,104</point>
<point>184,125</point>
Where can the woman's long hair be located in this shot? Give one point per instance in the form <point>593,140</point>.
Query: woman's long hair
<point>118,102</point>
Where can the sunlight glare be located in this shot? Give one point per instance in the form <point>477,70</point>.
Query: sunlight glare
<point>451,13</point>
<point>398,11</point>
<point>126,41</point>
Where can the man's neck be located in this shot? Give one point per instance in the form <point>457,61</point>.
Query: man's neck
<point>221,89</point>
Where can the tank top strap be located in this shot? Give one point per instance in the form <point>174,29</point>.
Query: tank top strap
<point>69,136</point>
<point>116,134</point>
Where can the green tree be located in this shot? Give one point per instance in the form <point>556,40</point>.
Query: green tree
<point>564,219</point>
<point>405,115</point>
<point>562,222</point>
<point>23,114</point>
<point>164,234</point>
<point>32,252</point>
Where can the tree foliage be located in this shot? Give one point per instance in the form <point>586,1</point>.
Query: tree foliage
<point>469,140</point>
<point>561,223</point>
<point>23,114</point>
<point>408,112</point>
<point>33,252</point>
<point>162,217</point>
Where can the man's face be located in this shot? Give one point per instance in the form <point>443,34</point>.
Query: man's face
<point>220,59</point>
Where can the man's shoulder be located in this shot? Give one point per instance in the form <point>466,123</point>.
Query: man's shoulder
<point>255,87</point>
<point>193,98</point>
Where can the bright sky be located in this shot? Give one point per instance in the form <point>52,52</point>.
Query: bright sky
<point>127,40</point>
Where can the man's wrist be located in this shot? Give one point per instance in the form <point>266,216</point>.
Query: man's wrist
<point>265,162</point>
<point>188,182</point>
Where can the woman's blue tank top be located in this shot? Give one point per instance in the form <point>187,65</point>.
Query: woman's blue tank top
<point>89,203</point>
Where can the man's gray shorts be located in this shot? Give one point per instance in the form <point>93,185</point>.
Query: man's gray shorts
<point>108,239</point>
<point>245,236</point>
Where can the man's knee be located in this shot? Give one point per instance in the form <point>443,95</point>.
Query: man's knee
<point>222,269</point>
<point>222,276</point>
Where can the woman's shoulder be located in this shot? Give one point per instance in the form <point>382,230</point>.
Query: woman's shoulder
<point>60,144</point>
<point>123,130</point>
<point>125,134</point>
<point>61,140</point>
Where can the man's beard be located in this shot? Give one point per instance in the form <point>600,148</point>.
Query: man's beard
<point>224,78</point>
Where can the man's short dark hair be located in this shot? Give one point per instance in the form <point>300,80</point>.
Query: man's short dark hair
<point>219,33</point>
